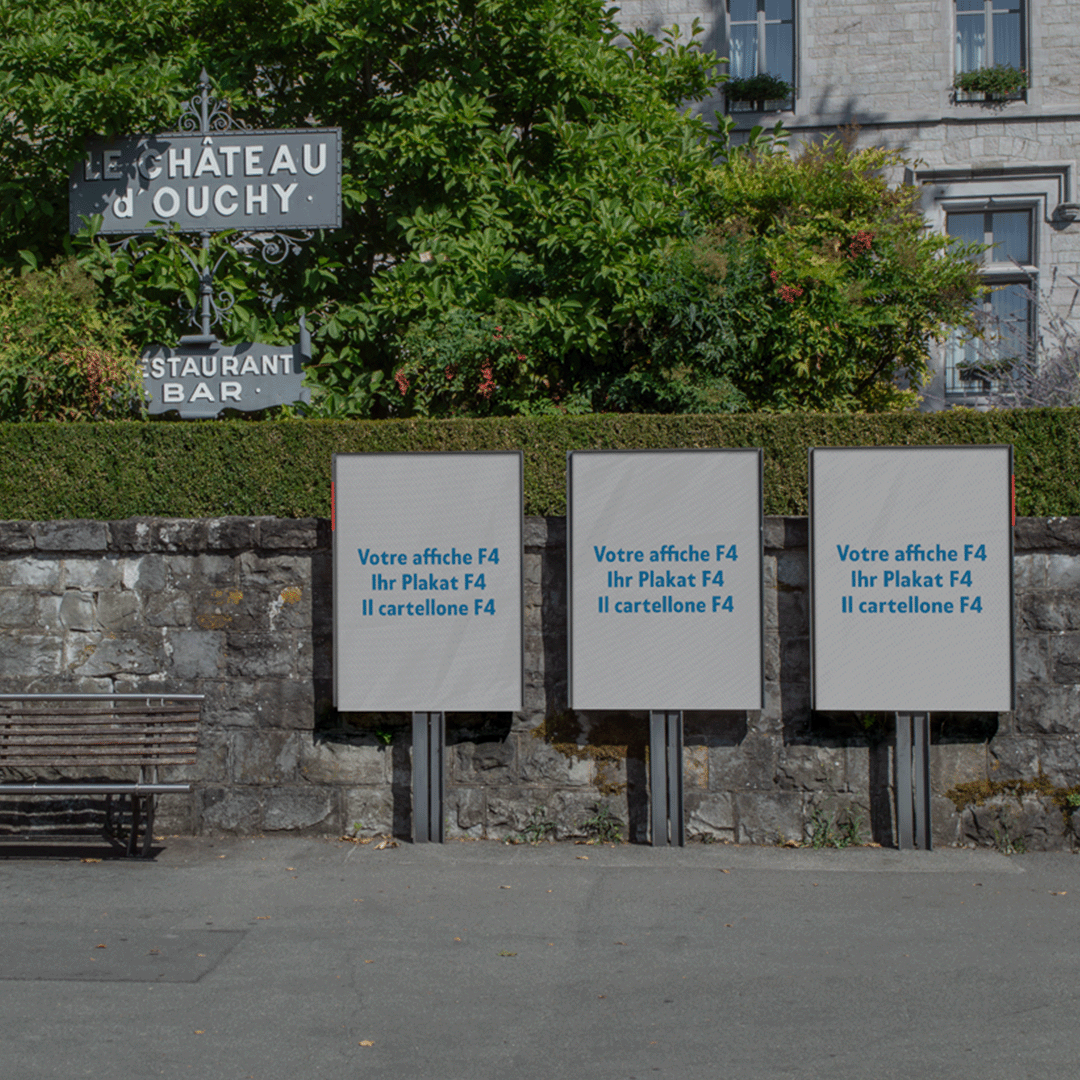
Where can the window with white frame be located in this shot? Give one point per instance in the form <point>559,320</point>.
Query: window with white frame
<point>990,34</point>
<point>977,366</point>
<point>761,42</point>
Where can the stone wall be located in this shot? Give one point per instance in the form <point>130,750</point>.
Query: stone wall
<point>239,609</point>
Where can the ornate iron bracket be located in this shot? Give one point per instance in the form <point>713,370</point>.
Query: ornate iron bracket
<point>208,116</point>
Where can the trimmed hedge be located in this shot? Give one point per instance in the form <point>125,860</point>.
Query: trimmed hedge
<point>282,468</point>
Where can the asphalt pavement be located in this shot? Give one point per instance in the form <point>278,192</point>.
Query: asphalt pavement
<point>282,958</point>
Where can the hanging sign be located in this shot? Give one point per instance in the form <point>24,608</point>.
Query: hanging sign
<point>198,381</point>
<point>427,551</point>
<point>911,553</point>
<point>253,181</point>
<point>665,563</point>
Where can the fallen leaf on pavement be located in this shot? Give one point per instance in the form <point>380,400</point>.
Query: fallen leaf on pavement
<point>583,857</point>
<point>507,953</point>
<point>1062,893</point>
<point>385,843</point>
<point>90,860</point>
<point>100,946</point>
<point>366,1042</point>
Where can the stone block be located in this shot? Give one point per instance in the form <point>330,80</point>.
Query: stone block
<point>19,607</point>
<point>570,810</point>
<point>540,763</point>
<point>1013,825</point>
<point>794,660</point>
<point>300,810</point>
<point>195,654</point>
<point>260,655</point>
<point>771,657</point>
<point>793,570</point>
<point>195,572</point>
<point>74,535</point>
<point>787,533</point>
<point>466,811</point>
<point>344,760</point>
<point>274,571</point>
<point>750,766</point>
<point>811,768</point>
<point>175,815</point>
<point>169,608</point>
<point>709,815</point>
<point>132,534</point>
<point>1064,658</point>
<point>1056,611</point>
<point>143,573</point>
<point>278,534</point>
<point>132,654</point>
<point>16,536</point>
<point>117,611</point>
<point>957,763</point>
<point>1062,570</point>
<point>314,653</point>
<point>224,809</point>
<point>43,574</point>
<point>29,656</point>
<point>1014,759</point>
<point>368,811</point>
<point>179,534</point>
<point>768,817</point>
<point>232,534</point>
<point>1032,659</point>
<point>1043,533</point>
<point>1029,571</point>
<point>696,768</point>
<point>1047,710</point>
<point>483,763</point>
<point>1060,761</point>
<point>92,575</point>
<point>290,703</point>
<point>265,756</point>
<point>77,611</point>
<point>211,765</point>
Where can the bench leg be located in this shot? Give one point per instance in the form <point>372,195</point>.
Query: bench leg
<point>148,826</point>
<point>133,835</point>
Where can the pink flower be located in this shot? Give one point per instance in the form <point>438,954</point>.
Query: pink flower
<point>402,382</point>
<point>487,384</point>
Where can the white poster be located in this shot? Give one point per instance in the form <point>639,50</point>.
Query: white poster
<point>665,579</point>
<point>911,578</point>
<point>427,582</point>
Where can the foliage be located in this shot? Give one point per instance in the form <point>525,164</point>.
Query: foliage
<point>816,286</point>
<point>605,826</point>
<point>839,829</point>
<point>505,162</point>
<point>61,356</point>
<point>761,87</point>
<point>282,468</point>
<point>1000,79</point>
<point>536,830</point>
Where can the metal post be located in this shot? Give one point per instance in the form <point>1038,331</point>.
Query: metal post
<point>666,778</point>
<point>904,793</point>
<point>913,824</point>
<point>429,743</point>
<point>921,770</point>
<point>206,283</point>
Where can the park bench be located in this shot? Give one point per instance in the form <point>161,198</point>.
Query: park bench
<point>82,732</point>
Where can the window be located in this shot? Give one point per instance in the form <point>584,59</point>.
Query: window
<point>989,34</point>
<point>761,42</point>
<point>1007,305</point>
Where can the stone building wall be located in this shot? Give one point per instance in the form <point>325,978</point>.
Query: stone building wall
<point>239,609</point>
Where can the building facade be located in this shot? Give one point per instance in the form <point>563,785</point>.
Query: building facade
<point>983,98</point>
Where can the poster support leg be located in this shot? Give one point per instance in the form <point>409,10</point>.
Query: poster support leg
<point>428,757</point>
<point>905,831</point>
<point>921,770</point>
<point>913,781</point>
<point>666,778</point>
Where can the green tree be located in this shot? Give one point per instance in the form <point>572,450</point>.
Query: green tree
<point>814,284</point>
<point>61,356</point>
<point>507,164</point>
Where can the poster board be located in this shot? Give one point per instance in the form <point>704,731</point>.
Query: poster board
<point>911,556</point>
<point>665,568</point>
<point>427,552</point>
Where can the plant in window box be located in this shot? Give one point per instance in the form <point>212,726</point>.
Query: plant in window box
<point>998,83</point>
<point>987,371</point>
<point>761,92</point>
